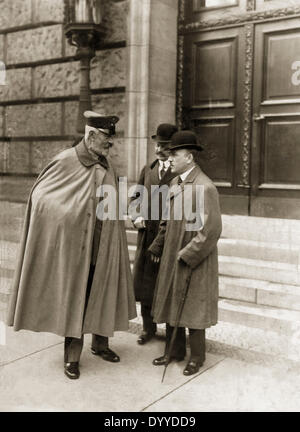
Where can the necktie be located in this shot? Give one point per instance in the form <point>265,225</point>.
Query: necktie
<point>179,181</point>
<point>162,171</point>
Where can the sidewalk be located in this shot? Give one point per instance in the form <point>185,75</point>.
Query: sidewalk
<point>32,379</point>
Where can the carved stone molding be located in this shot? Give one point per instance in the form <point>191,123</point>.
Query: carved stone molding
<point>179,102</point>
<point>251,4</point>
<point>246,136</point>
<point>239,19</point>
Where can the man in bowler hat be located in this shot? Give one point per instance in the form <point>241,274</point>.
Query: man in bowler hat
<point>145,271</point>
<point>188,258</point>
<point>67,281</point>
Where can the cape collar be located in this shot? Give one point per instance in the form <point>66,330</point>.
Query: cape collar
<point>86,158</point>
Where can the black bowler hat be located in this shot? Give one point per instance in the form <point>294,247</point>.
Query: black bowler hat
<point>185,139</point>
<point>98,121</point>
<point>164,132</point>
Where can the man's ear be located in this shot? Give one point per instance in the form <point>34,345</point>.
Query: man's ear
<point>92,134</point>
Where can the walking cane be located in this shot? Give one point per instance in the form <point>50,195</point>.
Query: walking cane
<point>178,316</point>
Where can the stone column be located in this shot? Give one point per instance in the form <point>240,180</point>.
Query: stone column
<point>151,76</point>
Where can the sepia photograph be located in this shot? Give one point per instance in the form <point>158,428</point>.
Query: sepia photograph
<point>149,209</point>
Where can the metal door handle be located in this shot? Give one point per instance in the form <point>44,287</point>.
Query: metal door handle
<point>258,117</point>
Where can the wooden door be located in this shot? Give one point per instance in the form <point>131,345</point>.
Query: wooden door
<point>213,108</point>
<point>275,152</point>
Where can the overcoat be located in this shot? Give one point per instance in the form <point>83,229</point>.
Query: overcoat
<point>50,281</point>
<point>144,270</point>
<point>198,250</point>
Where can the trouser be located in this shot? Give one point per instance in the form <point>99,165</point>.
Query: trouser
<point>148,325</point>
<point>197,343</point>
<point>73,346</point>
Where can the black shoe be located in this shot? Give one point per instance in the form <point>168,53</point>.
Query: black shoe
<point>192,367</point>
<point>145,337</point>
<point>160,361</point>
<point>72,370</point>
<point>107,354</point>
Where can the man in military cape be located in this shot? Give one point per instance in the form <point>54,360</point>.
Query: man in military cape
<point>73,273</point>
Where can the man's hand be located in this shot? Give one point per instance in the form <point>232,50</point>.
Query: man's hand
<point>154,258</point>
<point>179,259</point>
<point>139,223</point>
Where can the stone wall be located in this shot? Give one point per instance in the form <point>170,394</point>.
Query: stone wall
<point>38,103</point>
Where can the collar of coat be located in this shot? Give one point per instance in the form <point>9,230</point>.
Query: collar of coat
<point>86,158</point>
<point>190,179</point>
<point>191,176</point>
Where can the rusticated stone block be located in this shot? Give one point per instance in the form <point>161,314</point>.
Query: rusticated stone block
<point>18,157</point>
<point>71,111</point>
<point>61,79</point>
<point>108,69</point>
<point>112,104</point>
<point>14,13</point>
<point>2,111</point>
<point>34,45</point>
<point>34,120</point>
<point>48,10</point>
<point>3,157</point>
<point>43,152</point>
<point>17,86</point>
<point>15,188</point>
<point>115,20</point>
<point>2,48</point>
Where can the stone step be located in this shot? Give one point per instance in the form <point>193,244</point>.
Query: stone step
<point>252,344</point>
<point>260,292</point>
<point>270,271</point>
<point>267,251</point>
<point>247,249</point>
<point>131,237</point>
<point>283,231</point>
<point>241,341</point>
<point>11,220</point>
<point>257,229</point>
<point>268,318</point>
<point>131,250</point>
<point>5,285</point>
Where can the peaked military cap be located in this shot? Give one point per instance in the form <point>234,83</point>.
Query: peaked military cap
<point>185,139</point>
<point>164,132</point>
<point>99,121</point>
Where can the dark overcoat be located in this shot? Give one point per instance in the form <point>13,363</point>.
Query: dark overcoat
<point>198,250</point>
<point>50,281</point>
<point>144,270</point>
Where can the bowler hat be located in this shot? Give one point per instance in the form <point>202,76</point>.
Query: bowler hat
<point>99,121</point>
<point>185,139</point>
<point>164,132</point>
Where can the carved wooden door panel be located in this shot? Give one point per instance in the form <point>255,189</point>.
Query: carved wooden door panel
<point>275,152</point>
<point>213,106</point>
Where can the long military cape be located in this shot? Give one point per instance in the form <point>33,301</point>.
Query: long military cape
<point>50,281</point>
